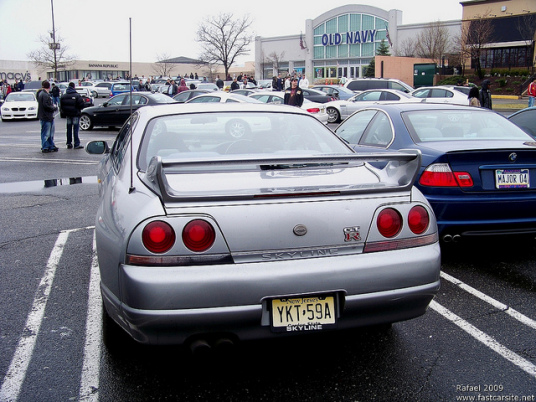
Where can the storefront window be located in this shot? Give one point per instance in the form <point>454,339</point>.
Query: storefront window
<point>355,22</point>
<point>331,52</point>
<point>367,50</point>
<point>343,23</point>
<point>319,52</point>
<point>368,22</point>
<point>319,72</point>
<point>343,51</point>
<point>331,26</point>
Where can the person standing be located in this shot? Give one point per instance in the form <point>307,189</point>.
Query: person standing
<point>235,85</point>
<point>485,94</point>
<point>219,83</point>
<point>45,114</point>
<point>474,97</point>
<point>303,82</point>
<point>294,95</point>
<point>532,92</point>
<point>55,94</point>
<point>71,105</point>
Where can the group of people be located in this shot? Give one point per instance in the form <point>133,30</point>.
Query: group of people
<point>71,105</point>
<point>482,97</point>
<point>6,88</point>
<point>282,84</point>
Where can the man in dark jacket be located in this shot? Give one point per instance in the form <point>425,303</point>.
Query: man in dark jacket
<point>71,105</point>
<point>235,85</point>
<point>294,95</point>
<point>45,114</point>
<point>485,94</point>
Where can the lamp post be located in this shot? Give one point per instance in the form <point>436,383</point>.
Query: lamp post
<point>54,46</point>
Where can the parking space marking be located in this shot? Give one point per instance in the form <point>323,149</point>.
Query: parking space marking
<point>16,373</point>
<point>487,340</point>
<point>89,384</point>
<point>495,303</point>
<point>41,160</point>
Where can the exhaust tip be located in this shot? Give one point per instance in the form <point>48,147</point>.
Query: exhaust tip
<point>200,348</point>
<point>447,238</point>
<point>456,238</point>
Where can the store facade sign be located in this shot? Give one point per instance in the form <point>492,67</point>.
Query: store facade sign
<point>15,76</point>
<point>351,38</point>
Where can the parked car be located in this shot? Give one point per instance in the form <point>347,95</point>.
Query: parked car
<point>363,84</point>
<point>441,94</point>
<point>477,167</point>
<point>206,240</point>
<point>187,95</point>
<point>337,91</point>
<point>264,84</point>
<point>208,86</point>
<point>120,87</point>
<point>222,97</point>
<point>245,92</point>
<point>19,105</point>
<point>525,119</point>
<point>116,111</point>
<point>315,95</point>
<point>98,89</point>
<point>318,110</point>
<point>340,110</point>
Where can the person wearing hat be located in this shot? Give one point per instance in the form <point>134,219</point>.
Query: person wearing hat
<point>71,106</point>
<point>45,114</point>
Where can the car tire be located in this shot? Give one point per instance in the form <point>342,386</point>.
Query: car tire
<point>85,122</point>
<point>333,115</point>
<point>95,94</point>
<point>237,128</point>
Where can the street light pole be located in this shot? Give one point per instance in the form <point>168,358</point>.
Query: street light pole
<point>54,45</point>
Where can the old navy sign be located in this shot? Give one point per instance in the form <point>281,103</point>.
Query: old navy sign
<point>351,37</point>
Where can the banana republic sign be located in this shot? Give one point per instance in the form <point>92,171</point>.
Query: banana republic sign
<point>98,65</point>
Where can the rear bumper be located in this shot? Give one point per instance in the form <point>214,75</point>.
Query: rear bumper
<point>172,304</point>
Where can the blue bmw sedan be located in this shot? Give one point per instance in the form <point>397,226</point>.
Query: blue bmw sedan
<point>478,169</point>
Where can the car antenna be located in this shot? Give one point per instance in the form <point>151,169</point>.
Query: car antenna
<point>131,188</point>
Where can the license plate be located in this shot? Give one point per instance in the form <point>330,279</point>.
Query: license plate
<point>512,178</point>
<point>297,314</point>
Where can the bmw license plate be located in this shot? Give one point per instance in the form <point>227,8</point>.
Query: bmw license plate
<point>298,314</point>
<point>512,178</point>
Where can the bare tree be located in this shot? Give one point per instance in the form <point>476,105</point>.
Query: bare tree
<point>52,55</point>
<point>408,48</point>
<point>275,58</point>
<point>162,67</point>
<point>224,38</point>
<point>433,42</point>
<point>476,34</point>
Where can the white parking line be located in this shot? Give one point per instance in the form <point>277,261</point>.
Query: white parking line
<point>16,373</point>
<point>89,384</point>
<point>495,303</point>
<point>487,340</point>
<point>19,364</point>
<point>47,160</point>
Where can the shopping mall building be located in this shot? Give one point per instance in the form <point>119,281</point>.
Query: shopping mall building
<point>340,42</point>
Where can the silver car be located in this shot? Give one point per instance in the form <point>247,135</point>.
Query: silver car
<point>204,238</point>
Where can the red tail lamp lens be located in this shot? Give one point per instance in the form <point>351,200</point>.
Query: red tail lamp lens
<point>158,237</point>
<point>418,219</point>
<point>198,235</point>
<point>389,222</point>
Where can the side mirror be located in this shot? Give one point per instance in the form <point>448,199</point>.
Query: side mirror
<point>97,148</point>
<point>105,104</point>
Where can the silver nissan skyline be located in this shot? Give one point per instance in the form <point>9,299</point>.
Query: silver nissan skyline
<point>220,223</point>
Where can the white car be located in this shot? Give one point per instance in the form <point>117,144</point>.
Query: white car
<point>440,94</point>
<point>86,93</point>
<point>318,110</point>
<point>19,105</point>
<point>339,110</point>
<point>98,89</point>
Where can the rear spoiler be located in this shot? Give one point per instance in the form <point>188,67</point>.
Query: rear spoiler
<point>396,171</point>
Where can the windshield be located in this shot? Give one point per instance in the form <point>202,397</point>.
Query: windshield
<point>20,97</point>
<point>460,125</point>
<point>218,135</point>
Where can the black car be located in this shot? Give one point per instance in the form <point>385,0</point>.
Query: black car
<point>187,95</point>
<point>117,110</point>
<point>315,95</point>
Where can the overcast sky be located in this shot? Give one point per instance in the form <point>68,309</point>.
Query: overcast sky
<point>100,29</point>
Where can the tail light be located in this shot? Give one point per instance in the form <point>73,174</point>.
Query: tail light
<point>313,110</point>
<point>418,219</point>
<point>198,235</point>
<point>389,222</point>
<point>441,175</point>
<point>158,237</point>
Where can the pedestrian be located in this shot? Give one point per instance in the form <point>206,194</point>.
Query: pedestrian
<point>55,91</point>
<point>304,82</point>
<point>244,83</point>
<point>20,86</point>
<point>45,113</point>
<point>532,92</point>
<point>279,82</point>
<point>294,94</point>
<point>485,94</point>
<point>219,83</point>
<point>182,87</point>
<point>234,84</point>
<point>71,106</point>
<point>473,97</point>
<point>287,82</point>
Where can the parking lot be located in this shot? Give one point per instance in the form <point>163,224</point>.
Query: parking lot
<point>475,342</point>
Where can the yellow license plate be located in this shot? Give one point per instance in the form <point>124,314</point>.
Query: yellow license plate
<point>311,313</point>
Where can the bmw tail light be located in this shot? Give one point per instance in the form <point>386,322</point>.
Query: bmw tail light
<point>313,110</point>
<point>198,235</point>
<point>418,219</point>
<point>389,222</point>
<point>441,175</point>
<point>158,237</point>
